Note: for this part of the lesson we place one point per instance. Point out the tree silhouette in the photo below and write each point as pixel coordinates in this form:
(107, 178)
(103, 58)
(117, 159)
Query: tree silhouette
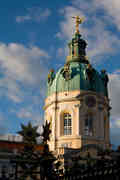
(29, 133)
(29, 162)
(46, 132)
(48, 161)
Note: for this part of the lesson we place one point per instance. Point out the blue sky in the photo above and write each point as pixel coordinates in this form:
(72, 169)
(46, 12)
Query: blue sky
(33, 38)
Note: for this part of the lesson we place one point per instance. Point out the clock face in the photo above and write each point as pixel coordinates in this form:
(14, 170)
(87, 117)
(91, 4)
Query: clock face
(90, 101)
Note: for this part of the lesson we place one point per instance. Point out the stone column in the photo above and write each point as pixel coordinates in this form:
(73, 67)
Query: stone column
(78, 106)
(101, 123)
(107, 128)
(54, 127)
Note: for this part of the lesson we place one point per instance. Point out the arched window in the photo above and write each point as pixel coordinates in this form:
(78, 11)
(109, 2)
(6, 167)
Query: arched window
(67, 124)
(89, 125)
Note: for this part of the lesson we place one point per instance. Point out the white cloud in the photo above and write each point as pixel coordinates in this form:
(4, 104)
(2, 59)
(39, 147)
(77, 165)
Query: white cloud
(113, 9)
(60, 52)
(101, 41)
(10, 89)
(23, 73)
(20, 19)
(114, 94)
(21, 67)
(30, 113)
(23, 113)
(118, 123)
(18, 61)
(45, 14)
(34, 14)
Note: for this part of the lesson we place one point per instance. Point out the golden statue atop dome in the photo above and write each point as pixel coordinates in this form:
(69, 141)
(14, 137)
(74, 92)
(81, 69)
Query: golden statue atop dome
(78, 21)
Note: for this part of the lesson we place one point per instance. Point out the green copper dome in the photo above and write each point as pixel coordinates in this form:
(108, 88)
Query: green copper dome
(77, 79)
(77, 73)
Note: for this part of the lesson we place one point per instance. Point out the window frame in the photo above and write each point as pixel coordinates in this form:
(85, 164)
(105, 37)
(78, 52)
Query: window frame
(88, 125)
(67, 124)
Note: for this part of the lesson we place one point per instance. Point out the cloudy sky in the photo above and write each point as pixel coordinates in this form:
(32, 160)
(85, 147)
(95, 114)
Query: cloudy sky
(33, 38)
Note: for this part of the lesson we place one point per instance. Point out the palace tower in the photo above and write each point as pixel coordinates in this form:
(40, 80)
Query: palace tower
(77, 104)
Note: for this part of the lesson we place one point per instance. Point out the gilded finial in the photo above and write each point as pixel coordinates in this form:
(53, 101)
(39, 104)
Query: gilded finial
(78, 21)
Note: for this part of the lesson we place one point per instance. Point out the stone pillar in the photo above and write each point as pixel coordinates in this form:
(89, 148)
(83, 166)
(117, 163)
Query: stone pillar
(78, 124)
(101, 124)
(107, 124)
(54, 127)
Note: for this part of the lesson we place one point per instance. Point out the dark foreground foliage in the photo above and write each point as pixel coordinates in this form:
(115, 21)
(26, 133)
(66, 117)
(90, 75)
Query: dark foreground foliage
(35, 165)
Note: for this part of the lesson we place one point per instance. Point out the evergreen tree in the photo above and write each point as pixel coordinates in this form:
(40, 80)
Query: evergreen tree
(49, 161)
(28, 159)
(29, 162)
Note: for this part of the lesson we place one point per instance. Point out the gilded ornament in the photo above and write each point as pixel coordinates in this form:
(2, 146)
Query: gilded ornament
(51, 76)
(78, 21)
(66, 72)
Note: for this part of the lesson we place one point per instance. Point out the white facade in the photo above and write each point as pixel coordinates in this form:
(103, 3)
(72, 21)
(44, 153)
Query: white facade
(77, 118)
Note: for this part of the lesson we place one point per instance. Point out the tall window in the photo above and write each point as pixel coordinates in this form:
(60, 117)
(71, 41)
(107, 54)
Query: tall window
(67, 124)
(89, 125)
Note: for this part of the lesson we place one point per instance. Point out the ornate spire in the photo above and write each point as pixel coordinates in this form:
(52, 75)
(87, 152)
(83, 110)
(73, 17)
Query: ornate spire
(77, 47)
(78, 21)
